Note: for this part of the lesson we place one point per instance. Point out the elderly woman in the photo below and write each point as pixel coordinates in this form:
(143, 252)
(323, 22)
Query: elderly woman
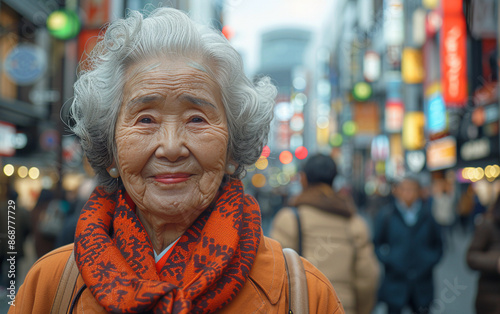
(169, 122)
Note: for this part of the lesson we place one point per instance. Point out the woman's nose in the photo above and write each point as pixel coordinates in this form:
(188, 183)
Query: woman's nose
(171, 143)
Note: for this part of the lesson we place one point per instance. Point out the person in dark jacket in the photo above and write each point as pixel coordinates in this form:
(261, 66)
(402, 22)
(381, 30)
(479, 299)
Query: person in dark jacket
(408, 242)
(484, 255)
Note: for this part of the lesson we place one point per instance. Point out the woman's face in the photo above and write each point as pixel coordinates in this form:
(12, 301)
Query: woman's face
(171, 138)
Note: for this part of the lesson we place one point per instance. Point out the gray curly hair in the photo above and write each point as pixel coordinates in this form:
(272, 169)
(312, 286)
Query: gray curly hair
(163, 33)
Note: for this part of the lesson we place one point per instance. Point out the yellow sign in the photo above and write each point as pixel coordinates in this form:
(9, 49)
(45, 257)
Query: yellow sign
(413, 130)
(412, 66)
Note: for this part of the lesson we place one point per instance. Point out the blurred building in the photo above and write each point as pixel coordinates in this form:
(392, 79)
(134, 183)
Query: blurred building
(414, 90)
(386, 87)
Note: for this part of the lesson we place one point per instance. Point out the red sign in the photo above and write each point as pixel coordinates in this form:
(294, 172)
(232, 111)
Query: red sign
(452, 7)
(95, 13)
(453, 55)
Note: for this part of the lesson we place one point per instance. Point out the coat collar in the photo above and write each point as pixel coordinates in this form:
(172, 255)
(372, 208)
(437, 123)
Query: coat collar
(323, 197)
(268, 270)
(421, 215)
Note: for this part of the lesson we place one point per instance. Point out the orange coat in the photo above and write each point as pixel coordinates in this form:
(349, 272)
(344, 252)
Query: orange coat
(266, 291)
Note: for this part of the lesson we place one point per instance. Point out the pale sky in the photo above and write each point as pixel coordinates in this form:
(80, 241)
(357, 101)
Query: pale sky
(250, 18)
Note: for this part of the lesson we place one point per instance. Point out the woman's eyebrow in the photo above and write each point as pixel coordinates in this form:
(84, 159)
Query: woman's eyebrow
(197, 101)
(143, 100)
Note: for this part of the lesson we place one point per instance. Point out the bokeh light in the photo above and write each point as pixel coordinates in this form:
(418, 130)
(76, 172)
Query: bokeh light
(228, 32)
(289, 169)
(286, 157)
(362, 91)
(266, 151)
(63, 24)
(490, 172)
(322, 122)
(301, 152)
(283, 178)
(22, 172)
(349, 128)
(273, 181)
(258, 180)
(34, 173)
(335, 140)
(8, 170)
(262, 163)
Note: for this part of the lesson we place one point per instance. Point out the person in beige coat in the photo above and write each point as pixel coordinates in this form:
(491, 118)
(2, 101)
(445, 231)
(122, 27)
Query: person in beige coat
(334, 237)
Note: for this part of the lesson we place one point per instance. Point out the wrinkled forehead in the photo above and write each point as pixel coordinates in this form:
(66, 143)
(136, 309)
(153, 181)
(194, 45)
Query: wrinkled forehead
(150, 64)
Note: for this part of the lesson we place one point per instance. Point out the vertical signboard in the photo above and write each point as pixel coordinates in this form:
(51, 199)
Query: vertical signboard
(413, 130)
(393, 22)
(453, 54)
(436, 114)
(394, 112)
(412, 67)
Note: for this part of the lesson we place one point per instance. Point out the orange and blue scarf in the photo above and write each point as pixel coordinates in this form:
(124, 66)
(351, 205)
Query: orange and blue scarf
(205, 271)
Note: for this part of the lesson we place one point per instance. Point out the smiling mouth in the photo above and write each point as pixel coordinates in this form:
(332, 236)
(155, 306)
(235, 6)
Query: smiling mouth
(172, 178)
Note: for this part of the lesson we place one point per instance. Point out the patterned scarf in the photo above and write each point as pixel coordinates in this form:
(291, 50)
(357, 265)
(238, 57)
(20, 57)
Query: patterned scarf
(206, 269)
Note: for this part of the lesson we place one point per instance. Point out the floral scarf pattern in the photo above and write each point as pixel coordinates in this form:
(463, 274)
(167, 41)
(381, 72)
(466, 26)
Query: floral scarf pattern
(206, 269)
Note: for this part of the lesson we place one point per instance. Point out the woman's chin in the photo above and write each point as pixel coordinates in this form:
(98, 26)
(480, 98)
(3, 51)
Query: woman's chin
(178, 206)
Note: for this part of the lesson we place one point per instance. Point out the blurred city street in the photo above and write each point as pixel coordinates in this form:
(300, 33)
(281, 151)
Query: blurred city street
(402, 98)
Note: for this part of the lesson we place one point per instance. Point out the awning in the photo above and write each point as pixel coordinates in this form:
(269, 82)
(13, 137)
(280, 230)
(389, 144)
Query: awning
(21, 113)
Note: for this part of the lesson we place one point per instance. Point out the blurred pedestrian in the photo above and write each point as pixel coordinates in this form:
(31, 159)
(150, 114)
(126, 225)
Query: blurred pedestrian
(408, 243)
(465, 207)
(470, 207)
(484, 255)
(47, 220)
(443, 203)
(332, 235)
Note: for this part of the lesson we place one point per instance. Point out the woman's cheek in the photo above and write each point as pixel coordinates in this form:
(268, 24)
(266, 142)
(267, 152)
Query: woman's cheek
(131, 149)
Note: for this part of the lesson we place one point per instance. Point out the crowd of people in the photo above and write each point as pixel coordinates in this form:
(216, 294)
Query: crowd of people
(409, 236)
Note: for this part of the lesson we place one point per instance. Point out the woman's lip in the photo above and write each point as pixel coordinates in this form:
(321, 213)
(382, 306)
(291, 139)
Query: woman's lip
(172, 178)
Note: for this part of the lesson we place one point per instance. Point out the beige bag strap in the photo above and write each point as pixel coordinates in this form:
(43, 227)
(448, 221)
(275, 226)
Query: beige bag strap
(297, 283)
(66, 286)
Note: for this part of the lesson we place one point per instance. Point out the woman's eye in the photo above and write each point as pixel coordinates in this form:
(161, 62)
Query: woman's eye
(197, 120)
(146, 120)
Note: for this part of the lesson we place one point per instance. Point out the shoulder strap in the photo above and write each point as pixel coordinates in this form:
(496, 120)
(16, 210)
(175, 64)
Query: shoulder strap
(298, 298)
(66, 286)
(299, 228)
